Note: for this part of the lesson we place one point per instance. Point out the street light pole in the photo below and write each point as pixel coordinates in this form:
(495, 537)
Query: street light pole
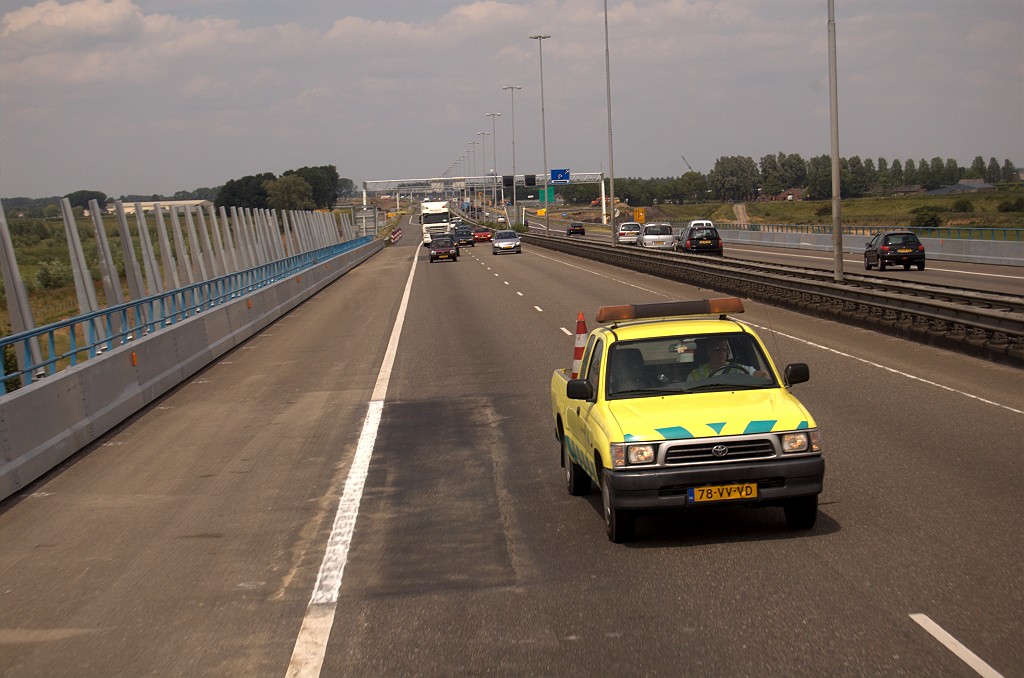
(472, 195)
(483, 159)
(543, 130)
(833, 89)
(611, 156)
(494, 153)
(512, 90)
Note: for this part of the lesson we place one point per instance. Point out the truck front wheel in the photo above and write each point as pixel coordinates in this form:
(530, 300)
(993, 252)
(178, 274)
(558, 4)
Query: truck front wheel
(802, 512)
(576, 479)
(618, 523)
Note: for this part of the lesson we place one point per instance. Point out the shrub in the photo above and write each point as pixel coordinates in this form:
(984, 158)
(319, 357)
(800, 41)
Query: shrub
(929, 209)
(10, 364)
(824, 211)
(1016, 205)
(962, 205)
(926, 219)
(54, 274)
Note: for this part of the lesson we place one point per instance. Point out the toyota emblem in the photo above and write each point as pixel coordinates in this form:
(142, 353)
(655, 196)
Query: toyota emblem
(719, 450)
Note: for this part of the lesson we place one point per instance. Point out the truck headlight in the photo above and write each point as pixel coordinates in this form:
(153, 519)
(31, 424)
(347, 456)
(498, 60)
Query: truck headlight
(793, 443)
(624, 454)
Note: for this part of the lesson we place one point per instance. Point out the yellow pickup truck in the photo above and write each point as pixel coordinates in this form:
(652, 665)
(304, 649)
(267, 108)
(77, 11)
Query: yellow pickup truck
(678, 405)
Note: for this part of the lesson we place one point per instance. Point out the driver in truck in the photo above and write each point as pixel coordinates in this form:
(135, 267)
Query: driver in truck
(717, 352)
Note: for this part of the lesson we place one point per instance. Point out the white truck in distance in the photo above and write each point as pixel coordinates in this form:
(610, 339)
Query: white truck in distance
(435, 217)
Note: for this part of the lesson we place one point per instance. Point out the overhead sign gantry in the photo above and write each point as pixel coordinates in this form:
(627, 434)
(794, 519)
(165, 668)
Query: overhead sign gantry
(458, 186)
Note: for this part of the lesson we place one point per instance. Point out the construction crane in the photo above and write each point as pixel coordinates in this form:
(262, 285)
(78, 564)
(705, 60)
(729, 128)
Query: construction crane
(684, 160)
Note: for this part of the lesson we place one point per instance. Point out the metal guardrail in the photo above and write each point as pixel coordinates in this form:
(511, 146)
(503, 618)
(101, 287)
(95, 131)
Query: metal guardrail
(970, 322)
(92, 334)
(951, 232)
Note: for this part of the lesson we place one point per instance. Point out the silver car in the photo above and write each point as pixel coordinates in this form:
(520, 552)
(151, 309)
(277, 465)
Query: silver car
(657, 236)
(506, 242)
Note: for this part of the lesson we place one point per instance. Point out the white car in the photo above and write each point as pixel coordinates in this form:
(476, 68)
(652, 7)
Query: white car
(628, 232)
(657, 236)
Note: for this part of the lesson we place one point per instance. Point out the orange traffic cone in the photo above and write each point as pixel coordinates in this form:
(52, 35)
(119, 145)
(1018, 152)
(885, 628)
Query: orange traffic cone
(581, 343)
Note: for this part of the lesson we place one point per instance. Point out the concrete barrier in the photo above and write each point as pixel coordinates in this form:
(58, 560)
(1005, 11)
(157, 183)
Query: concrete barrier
(46, 422)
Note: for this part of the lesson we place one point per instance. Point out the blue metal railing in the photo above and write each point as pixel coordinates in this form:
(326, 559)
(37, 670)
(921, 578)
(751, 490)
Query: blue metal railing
(94, 333)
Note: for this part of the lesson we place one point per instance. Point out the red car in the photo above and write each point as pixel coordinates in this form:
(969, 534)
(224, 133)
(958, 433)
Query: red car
(482, 234)
(443, 247)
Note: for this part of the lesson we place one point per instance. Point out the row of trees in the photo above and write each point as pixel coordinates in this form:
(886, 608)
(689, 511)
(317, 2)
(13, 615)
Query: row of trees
(740, 178)
(303, 188)
(300, 189)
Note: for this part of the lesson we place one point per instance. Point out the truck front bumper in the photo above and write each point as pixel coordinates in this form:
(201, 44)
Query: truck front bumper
(662, 487)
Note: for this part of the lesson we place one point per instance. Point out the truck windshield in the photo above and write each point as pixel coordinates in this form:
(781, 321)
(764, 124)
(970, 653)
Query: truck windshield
(668, 365)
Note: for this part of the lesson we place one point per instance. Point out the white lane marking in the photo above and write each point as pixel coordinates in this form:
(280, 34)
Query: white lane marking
(858, 259)
(506, 282)
(539, 309)
(956, 647)
(566, 331)
(898, 373)
(811, 343)
(519, 293)
(311, 644)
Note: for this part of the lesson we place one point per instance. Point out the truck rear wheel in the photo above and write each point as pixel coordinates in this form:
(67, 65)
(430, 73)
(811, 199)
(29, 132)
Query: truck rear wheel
(577, 482)
(619, 524)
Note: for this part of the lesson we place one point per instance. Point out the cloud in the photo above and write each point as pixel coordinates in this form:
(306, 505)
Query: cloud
(401, 90)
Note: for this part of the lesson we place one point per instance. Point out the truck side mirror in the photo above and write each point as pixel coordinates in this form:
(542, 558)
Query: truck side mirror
(796, 373)
(579, 389)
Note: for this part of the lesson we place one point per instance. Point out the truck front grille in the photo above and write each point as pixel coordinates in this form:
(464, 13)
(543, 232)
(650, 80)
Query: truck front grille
(702, 451)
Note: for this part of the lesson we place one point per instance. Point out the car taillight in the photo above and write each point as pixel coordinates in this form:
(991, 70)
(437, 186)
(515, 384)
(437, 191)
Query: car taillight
(688, 244)
(920, 248)
(884, 248)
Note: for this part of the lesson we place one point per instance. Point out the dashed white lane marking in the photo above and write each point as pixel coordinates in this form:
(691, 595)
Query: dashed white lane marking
(539, 309)
(956, 647)
(311, 644)
(566, 331)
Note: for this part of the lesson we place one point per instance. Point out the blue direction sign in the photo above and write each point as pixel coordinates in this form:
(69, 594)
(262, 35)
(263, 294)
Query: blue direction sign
(560, 176)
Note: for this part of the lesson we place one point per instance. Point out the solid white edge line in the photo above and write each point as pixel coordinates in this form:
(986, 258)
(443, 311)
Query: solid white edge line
(955, 646)
(898, 373)
(311, 644)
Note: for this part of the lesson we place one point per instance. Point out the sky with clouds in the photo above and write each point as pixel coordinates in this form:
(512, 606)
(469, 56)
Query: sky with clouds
(156, 96)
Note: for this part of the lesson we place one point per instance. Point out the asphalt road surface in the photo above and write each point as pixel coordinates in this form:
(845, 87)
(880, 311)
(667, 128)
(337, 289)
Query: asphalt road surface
(190, 540)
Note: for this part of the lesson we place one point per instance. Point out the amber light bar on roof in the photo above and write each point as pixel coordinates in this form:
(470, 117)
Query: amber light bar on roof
(670, 308)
